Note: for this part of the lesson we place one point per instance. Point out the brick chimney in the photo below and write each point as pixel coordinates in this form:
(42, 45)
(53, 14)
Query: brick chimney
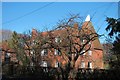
(76, 25)
(34, 32)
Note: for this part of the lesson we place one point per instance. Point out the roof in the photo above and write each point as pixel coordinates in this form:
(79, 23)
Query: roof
(88, 25)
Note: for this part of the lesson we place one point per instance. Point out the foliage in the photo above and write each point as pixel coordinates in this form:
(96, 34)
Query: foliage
(114, 27)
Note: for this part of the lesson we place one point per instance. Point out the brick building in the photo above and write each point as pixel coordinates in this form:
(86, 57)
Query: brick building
(54, 54)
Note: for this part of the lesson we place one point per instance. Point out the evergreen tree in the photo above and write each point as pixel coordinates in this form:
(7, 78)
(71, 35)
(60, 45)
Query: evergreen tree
(114, 28)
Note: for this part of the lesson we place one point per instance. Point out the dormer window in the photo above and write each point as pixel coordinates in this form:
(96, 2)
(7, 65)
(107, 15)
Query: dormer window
(57, 39)
(44, 52)
(82, 41)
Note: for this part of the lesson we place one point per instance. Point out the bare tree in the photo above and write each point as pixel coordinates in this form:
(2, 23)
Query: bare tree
(73, 42)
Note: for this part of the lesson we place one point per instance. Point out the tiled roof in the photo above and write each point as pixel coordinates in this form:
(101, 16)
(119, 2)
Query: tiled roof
(90, 27)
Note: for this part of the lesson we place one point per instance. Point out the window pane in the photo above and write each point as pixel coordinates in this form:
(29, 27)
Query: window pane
(89, 64)
(7, 55)
(89, 43)
(57, 64)
(57, 39)
(82, 64)
(44, 52)
(57, 52)
(31, 64)
(31, 51)
(44, 63)
(82, 41)
(89, 52)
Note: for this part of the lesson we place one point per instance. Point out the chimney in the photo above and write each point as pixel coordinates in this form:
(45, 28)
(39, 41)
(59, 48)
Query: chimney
(34, 32)
(75, 25)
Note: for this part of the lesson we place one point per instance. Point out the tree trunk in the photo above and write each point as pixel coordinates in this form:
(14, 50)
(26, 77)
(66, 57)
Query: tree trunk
(73, 71)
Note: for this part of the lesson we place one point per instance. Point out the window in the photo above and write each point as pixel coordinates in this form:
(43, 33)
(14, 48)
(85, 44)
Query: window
(89, 64)
(33, 42)
(44, 52)
(82, 64)
(44, 64)
(57, 39)
(31, 64)
(31, 52)
(57, 64)
(89, 43)
(89, 52)
(7, 57)
(82, 41)
(57, 52)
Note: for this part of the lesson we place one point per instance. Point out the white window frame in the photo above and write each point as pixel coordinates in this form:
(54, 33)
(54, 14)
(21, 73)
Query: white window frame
(43, 53)
(57, 64)
(90, 52)
(31, 52)
(82, 64)
(89, 64)
(89, 43)
(56, 52)
(82, 41)
(44, 64)
(7, 55)
(33, 42)
(31, 64)
(57, 39)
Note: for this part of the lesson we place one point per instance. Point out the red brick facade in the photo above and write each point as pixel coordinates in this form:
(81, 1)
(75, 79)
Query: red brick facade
(93, 58)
